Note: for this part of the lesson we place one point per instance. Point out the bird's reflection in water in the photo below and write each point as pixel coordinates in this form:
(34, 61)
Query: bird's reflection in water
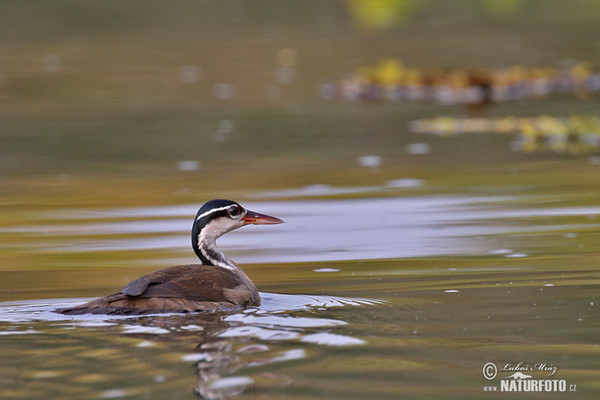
(219, 363)
(230, 352)
(224, 348)
(216, 361)
(230, 345)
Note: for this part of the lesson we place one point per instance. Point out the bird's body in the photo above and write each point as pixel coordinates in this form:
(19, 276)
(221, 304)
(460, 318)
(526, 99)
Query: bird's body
(217, 284)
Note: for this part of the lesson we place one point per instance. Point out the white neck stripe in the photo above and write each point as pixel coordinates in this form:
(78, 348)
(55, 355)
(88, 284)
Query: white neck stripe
(222, 260)
(212, 211)
(217, 263)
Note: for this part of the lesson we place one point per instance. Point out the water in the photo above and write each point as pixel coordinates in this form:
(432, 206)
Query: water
(315, 230)
(410, 298)
(410, 266)
(218, 346)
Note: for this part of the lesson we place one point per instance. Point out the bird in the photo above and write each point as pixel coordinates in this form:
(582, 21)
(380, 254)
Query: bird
(217, 284)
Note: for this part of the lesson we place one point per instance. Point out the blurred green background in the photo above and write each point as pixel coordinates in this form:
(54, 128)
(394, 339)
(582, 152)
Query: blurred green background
(153, 102)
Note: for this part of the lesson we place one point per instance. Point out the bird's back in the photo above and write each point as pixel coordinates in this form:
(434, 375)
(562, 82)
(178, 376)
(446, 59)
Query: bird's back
(181, 288)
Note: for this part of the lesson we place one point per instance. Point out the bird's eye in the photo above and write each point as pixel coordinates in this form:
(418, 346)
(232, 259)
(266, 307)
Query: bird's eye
(235, 211)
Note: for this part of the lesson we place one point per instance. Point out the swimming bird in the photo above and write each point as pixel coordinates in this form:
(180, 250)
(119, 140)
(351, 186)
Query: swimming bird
(217, 284)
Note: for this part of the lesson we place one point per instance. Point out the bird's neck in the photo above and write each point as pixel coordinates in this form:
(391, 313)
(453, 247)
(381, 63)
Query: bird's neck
(205, 247)
(210, 254)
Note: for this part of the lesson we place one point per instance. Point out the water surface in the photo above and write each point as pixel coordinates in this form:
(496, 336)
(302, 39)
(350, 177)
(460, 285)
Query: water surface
(379, 298)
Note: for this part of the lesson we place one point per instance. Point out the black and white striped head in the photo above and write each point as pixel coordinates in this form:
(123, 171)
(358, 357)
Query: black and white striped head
(217, 217)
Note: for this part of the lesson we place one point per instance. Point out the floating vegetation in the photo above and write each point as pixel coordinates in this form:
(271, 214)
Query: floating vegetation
(391, 80)
(569, 135)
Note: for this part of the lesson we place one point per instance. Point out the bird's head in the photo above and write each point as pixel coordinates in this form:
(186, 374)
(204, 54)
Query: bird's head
(217, 217)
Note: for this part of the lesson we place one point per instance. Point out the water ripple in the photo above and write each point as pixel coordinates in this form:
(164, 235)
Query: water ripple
(315, 230)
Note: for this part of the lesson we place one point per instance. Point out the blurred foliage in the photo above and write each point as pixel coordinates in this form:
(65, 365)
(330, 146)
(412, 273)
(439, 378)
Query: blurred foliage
(380, 14)
(572, 135)
(105, 101)
(391, 80)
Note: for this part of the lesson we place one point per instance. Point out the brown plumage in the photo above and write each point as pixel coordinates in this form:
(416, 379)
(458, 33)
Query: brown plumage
(217, 284)
(182, 288)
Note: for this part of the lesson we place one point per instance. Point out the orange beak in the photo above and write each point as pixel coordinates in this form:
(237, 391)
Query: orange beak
(260, 219)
